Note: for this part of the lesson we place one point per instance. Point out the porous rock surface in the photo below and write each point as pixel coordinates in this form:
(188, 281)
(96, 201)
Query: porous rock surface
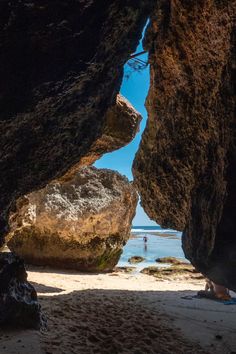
(18, 299)
(185, 168)
(80, 223)
(120, 127)
(181, 271)
(61, 69)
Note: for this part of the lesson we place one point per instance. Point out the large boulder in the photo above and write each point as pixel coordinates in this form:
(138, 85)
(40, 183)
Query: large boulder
(185, 168)
(61, 69)
(81, 223)
(18, 299)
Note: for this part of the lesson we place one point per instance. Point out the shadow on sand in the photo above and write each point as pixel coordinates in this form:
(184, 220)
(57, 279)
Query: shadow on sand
(41, 288)
(110, 322)
(107, 321)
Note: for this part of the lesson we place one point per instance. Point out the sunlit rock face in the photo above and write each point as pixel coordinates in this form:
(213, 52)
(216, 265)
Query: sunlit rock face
(61, 69)
(120, 127)
(185, 167)
(81, 223)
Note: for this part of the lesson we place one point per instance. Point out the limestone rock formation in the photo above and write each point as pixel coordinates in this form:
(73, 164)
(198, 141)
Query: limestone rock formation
(80, 223)
(174, 272)
(120, 127)
(185, 169)
(18, 298)
(171, 260)
(61, 69)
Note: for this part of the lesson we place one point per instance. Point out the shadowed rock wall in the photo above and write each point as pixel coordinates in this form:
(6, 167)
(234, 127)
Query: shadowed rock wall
(185, 167)
(61, 68)
(19, 305)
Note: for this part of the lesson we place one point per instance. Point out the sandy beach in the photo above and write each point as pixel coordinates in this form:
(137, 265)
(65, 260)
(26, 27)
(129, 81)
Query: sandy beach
(122, 313)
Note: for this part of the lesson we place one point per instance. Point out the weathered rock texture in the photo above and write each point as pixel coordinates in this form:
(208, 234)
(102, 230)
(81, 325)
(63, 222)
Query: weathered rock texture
(81, 223)
(120, 127)
(18, 299)
(185, 169)
(182, 271)
(61, 68)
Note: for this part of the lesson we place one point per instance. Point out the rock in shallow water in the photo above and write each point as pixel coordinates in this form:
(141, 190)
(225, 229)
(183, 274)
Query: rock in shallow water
(171, 260)
(18, 298)
(181, 271)
(80, 223)
(136, 259)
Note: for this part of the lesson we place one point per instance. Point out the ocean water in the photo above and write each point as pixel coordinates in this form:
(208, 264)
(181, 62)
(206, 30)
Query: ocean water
(160, 243)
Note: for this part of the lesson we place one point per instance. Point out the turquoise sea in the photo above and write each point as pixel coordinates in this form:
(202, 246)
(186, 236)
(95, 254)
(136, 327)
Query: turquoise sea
(160, 243)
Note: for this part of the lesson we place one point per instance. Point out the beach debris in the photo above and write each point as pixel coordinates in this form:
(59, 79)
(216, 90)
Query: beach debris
(19, 306)
(136, 259)
(81, 223)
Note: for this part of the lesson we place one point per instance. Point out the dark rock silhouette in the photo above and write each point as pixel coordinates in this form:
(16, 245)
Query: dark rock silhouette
(18, 299)
(61, 69)
(185, 169)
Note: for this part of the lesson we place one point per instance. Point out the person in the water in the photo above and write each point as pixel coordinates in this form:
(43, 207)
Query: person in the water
(145, 239)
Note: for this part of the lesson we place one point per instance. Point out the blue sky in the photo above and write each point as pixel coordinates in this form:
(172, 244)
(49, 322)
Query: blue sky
(135, 89)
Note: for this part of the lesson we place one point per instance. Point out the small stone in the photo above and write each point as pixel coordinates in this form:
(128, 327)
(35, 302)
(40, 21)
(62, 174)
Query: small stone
(218, 336)
(136, 259)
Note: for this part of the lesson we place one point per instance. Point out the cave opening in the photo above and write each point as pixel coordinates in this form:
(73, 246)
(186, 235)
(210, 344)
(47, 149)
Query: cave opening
(92, 304)
(162, 242)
